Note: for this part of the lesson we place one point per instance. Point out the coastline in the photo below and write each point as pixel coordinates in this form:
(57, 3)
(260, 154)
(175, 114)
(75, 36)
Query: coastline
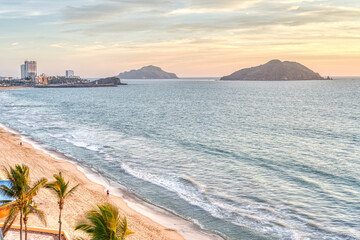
(145, 219)
(12, 87)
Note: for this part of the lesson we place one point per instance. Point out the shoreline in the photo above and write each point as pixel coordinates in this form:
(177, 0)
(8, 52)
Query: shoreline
(13, 87)
(163, 223)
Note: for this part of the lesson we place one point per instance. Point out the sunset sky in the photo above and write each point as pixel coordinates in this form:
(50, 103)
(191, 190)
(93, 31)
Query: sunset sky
(188, 37)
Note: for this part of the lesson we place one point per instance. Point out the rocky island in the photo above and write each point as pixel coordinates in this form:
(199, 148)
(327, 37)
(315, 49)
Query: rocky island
(148, 72)
(109, 81)
(275, 70)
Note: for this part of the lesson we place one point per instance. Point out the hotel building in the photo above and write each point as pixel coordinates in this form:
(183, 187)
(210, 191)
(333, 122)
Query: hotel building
(69, 73)
(29, 70)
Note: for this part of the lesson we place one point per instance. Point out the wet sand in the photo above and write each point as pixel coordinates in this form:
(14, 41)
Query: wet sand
(87, 195)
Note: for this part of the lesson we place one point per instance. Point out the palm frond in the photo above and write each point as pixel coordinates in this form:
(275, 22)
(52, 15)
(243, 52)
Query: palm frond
(9, 205)
(8, 175)
(38, 212)
(60, 187)
(10, 220)
(123, 230)
(71, 191)
(104, 223)
(55, 187)
(34, 190)
(7, 191)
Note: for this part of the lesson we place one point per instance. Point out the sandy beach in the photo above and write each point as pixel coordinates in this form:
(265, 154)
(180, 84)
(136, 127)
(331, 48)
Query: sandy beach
(13, 87)
(87, 196)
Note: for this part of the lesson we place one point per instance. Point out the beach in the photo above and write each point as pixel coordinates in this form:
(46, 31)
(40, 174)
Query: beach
(11, 87)
(86, 196)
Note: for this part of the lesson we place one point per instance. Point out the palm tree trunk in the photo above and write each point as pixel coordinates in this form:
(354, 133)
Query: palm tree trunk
(21, 222)
(60, 225)
(25, 223)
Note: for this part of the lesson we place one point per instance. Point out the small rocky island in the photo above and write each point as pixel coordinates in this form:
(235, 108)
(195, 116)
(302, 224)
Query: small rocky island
(109, 81)
(148, 72)
(275, 70)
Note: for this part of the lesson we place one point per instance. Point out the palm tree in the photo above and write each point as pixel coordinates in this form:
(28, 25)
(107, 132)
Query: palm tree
(61, 188)
(20, 191)
(105, 223)
(29, 209)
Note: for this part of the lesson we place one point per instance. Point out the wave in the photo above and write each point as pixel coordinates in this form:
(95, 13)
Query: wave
(290, 177)
(250, 212)
(157, 214)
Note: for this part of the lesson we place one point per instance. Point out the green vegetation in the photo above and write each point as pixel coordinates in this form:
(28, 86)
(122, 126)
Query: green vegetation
(65, 80)
(21, 191)
(104, 223)
(8, 83)
(62, 190)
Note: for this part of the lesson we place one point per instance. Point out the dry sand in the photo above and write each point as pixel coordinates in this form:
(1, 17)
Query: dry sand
(87, 196)
(12, 87)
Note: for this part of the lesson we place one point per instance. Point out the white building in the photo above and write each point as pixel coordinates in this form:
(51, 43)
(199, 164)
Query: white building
(69, 73)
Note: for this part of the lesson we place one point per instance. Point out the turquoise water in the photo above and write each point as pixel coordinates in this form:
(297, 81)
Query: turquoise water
(248, 160)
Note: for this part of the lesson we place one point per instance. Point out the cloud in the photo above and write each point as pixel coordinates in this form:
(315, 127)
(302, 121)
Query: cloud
(221, 4)
(275, 25)
(90, 14)
(213, 6)
(110, 10)
(57, 45)
(187, 27)
(272, 15)
(237, 4)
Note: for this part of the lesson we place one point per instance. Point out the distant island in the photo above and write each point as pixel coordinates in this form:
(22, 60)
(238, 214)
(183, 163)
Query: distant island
(275, 70)
(109, 80)
(148, 72)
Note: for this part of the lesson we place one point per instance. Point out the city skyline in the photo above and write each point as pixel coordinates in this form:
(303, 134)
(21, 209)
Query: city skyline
(190, 38)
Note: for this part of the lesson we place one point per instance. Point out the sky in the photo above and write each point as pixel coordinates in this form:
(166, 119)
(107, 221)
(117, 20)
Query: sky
(192, 38)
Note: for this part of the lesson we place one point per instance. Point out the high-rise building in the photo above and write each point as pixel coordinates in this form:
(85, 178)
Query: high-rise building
(69, 73)
(29, 70)
(23, 71)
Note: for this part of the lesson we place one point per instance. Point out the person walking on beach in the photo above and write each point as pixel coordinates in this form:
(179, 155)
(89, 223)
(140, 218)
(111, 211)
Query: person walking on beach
(107, 193)
(20, 143)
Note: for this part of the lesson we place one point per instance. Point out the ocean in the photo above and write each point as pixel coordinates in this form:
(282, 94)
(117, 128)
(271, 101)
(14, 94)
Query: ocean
(245, 160)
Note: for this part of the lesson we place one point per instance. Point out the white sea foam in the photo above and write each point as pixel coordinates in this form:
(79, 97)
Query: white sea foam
(271, 221)
(186, 228)
(274, 177)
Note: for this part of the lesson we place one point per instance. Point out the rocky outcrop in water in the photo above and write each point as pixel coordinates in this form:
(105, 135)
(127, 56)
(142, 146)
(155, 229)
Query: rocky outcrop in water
(148, 72)
(275, 70)
(109, 80)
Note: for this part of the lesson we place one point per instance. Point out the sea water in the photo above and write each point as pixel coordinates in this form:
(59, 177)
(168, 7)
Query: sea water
(247, 160)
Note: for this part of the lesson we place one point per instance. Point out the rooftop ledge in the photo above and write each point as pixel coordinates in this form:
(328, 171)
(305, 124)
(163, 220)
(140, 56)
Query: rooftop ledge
(41, 233)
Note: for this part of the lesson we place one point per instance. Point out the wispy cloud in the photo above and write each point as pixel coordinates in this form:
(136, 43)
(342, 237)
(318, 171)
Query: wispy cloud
(101, 11)
(190, 30)
(57, 45)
